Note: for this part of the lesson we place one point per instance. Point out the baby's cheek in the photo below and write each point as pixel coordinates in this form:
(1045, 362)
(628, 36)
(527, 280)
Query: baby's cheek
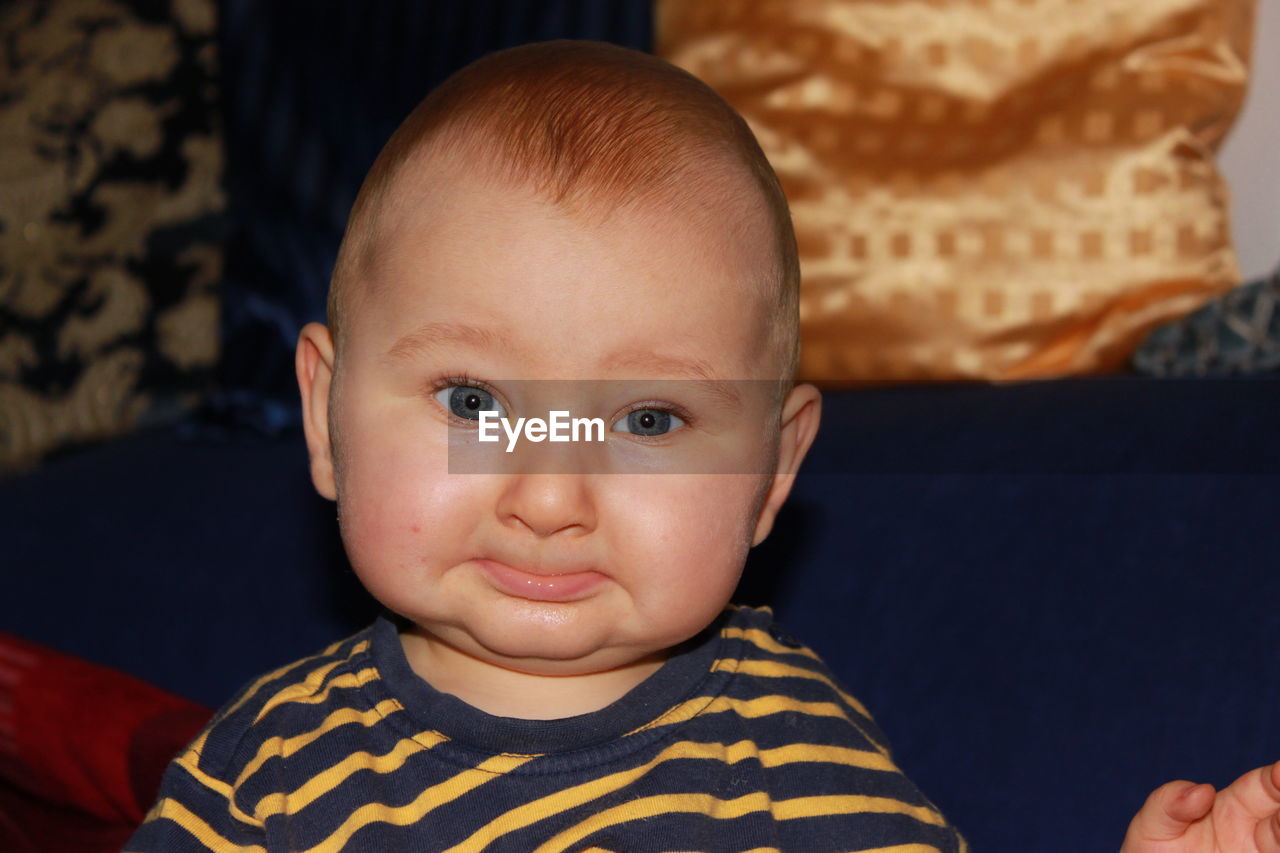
(372, 536)
(694, 533)
(720, 505)
(382, 509)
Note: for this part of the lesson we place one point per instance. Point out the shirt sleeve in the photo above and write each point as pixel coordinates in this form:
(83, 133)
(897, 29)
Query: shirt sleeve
(196, 811)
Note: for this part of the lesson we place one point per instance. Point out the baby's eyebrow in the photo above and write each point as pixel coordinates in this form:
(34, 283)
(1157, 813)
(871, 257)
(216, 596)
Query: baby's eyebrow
(725, 394)
(424, 339)
(695, 371)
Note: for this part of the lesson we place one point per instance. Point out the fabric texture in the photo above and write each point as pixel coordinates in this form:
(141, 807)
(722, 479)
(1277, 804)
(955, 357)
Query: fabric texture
(82, 749)
(985, 191)
(110, 218)
(741, 741)
(1237, 333)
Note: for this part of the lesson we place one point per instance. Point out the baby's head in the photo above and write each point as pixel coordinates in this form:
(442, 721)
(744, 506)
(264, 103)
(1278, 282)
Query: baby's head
(594, 130)
(568, 211)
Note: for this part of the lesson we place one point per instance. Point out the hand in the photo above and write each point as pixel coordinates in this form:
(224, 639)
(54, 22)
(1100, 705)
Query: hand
(1183, 817)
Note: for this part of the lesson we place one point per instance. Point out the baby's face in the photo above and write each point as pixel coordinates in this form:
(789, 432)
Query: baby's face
(545, 571)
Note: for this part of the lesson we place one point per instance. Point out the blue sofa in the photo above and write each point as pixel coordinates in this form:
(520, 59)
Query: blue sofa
(1054, 596)
(1045, 633)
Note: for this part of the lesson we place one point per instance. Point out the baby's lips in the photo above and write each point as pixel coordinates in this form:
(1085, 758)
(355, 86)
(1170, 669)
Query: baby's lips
(539, 585)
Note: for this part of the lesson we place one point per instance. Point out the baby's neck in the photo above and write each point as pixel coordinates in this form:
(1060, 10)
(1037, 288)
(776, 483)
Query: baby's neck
(506, 692)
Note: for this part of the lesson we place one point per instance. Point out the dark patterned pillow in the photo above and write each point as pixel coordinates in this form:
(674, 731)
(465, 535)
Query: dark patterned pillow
(110, 218)
(1237, 333)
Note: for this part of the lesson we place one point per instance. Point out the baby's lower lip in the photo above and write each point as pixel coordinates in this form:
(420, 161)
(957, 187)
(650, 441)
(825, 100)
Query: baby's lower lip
(521, 584)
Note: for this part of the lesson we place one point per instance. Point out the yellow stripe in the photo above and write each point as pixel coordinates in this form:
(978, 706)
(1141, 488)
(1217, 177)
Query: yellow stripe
(729, 809)
(189, 761)
(570, 798)
(762, 640)
(764, 608)
(322, 783)
(304, 694)
(777, 669)
(285, 747)
(169, 809)
(815, 752)
(761, 706)
(802, 807)
(274, 674)
(433, 797)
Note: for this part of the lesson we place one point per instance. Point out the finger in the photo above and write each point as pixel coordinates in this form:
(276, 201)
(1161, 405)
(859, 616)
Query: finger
(1258, 791)
(1170, 809)
(1267, 834)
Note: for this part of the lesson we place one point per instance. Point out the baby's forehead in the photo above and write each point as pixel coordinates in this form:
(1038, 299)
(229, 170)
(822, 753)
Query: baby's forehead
(491, 246)
(695, 178)
(717, 202)
(468, 199)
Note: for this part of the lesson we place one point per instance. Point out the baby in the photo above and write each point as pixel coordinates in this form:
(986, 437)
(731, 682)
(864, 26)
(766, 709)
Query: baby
(563, 670)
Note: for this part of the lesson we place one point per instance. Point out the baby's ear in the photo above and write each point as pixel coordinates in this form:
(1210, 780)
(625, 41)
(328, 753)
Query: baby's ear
(314, 362)
(801, 412)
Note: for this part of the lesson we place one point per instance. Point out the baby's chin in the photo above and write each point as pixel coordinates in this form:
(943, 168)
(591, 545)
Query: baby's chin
(543, 647)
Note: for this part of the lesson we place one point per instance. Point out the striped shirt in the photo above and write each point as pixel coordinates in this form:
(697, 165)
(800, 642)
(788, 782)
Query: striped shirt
(741, 741)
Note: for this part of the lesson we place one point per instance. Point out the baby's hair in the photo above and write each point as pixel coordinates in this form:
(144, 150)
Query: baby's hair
(590, 126)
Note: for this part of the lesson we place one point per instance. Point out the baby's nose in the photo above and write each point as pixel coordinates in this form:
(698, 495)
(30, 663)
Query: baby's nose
(548, 504)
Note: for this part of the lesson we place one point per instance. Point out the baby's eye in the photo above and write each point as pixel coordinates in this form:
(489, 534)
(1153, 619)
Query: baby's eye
(468, 401)
(648, 422)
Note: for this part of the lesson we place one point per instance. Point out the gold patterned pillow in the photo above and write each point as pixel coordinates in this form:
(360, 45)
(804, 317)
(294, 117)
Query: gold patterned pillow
(110, 202)
(995, 189)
